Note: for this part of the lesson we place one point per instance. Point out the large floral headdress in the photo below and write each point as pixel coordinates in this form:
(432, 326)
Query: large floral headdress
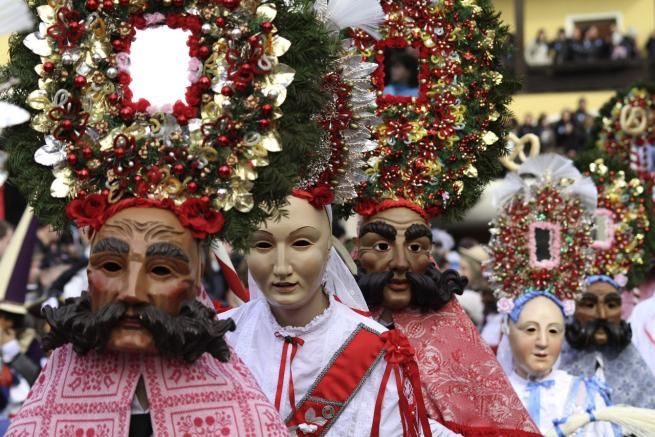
(437, 150)
(218, 158)
(541, 239)
(621, 223)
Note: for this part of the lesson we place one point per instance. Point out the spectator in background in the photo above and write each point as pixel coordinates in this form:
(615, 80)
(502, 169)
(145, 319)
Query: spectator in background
(561, 48)
(536, 53)
(545, 133)
(403, 75)
(528, 126)
(595, 46)
(578, 51)
(565, 132)
(581, 113)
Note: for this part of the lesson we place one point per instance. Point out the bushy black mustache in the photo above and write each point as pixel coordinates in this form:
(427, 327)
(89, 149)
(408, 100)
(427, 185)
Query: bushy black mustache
(430, 290)
(194, 331)
(580, 335)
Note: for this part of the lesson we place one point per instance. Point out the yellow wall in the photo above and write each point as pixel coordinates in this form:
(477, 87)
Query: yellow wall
(4, 49)
(506, 9)
(553, 103)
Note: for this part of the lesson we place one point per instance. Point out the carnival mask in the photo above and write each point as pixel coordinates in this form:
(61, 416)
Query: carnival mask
(536, 337)
(597, 320)
(394, 253)
(287, 258)
(144, 272)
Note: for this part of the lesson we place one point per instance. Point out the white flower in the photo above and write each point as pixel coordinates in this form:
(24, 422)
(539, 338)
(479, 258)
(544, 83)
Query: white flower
(569, 307)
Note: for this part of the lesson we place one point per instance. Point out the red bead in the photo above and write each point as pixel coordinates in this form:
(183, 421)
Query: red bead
(108, 5)
(48, 67)
(192, 187)
(120, 153)
(67, 124)
(205, 82)
(241, 86)
(203, 51)
(231, 4)
(224, 171)
(204, 199)
(178, 3)
(220, 21)
(178, 169)
(74, 25)
(117, 45)
(112, 98)
(79, 81)
(182, 119)
(253, 40)
(87, 152)
(72, 158)
(92, 5)
(127, 113)
(264, 123)
(83, 173)
(267, 108)
(223, 140)
(266, 26)
(226, 91)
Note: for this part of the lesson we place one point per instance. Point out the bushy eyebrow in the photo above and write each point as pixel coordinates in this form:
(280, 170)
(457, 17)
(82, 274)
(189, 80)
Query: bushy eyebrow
(381, 228)
(112, 245)
(168, 250)
(417, 231)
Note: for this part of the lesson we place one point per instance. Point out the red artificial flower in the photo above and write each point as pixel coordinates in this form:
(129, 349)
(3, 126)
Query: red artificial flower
(366, 208)
(88, 211)
(200, 218)
(318, 196)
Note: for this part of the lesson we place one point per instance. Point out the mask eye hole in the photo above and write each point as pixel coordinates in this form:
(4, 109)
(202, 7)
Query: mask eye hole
(160, 271)
(382, 246)
(302, 243)
(111, 266)
(263, 245)
(414, 247)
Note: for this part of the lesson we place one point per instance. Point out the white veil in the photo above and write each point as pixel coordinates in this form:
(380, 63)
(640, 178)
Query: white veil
(338, 279)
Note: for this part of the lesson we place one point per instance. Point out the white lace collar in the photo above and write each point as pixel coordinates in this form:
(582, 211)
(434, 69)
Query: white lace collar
(315, 324)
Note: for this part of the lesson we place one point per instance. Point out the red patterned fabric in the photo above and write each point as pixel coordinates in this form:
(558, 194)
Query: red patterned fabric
(92, 395)
(463, 385)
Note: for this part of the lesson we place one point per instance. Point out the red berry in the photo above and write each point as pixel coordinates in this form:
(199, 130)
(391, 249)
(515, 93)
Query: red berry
(264, 123)
(112, 98)
(204, 51)
(67, 124)
(48, 67)
(178, 169)
(224, 171)
(127, 113)
(87, 152)
(79, 81)
(241, 86)
(117, 44)
(178, 3)
(120, 152)
(231, 4)
(74, 25)
(92, 5)
(223, 140)
(83, 173)
(204, 82)
(220, 21)
(108, 5)
(267, 108)
(226, 91)
(266, 26)
(192, 187)
(72, 158)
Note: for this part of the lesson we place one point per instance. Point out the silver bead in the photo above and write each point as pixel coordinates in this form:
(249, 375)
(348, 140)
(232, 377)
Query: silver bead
(67, 58)
(130, 164)
(235, 33)
(206, 28)
(112, 72)
(96, 58)
(227, 104)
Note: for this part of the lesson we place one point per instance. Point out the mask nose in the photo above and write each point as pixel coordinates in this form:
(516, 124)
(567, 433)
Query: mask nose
(135, 290)
(281, 268)
(399, 262)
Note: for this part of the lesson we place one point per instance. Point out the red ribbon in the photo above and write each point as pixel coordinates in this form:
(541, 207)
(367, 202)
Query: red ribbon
(294, 342)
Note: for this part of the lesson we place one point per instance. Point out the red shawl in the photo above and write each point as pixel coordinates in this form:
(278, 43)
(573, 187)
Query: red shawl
(464, 386)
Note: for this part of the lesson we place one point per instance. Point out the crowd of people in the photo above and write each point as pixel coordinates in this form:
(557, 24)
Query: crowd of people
(582, 45)
(567, 134)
